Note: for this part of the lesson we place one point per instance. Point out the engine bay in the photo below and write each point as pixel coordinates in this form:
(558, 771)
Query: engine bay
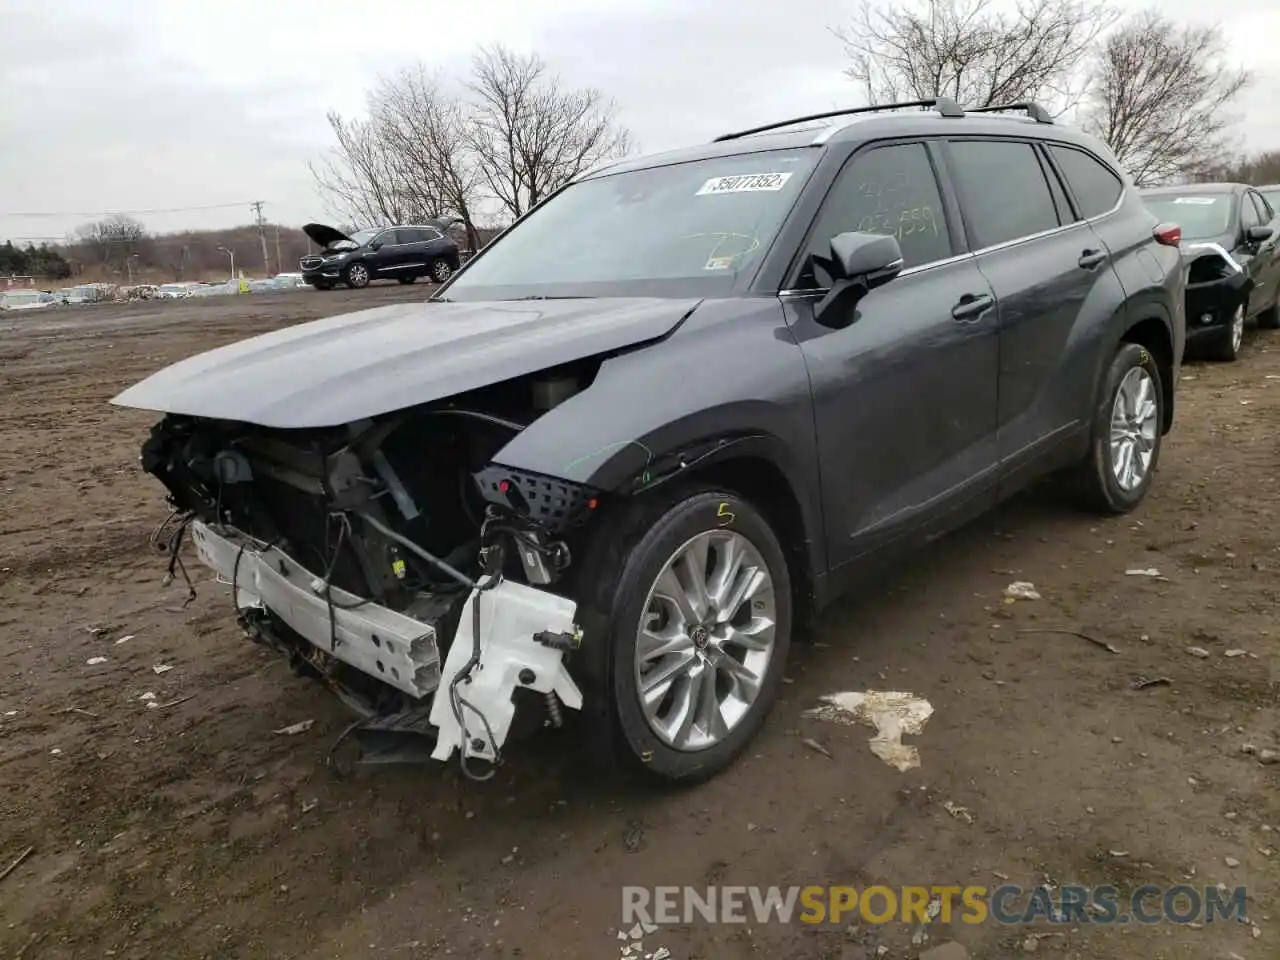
(406, 514)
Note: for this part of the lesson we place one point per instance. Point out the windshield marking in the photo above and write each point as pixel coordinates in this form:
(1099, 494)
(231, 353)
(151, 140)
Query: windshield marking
(744, 183)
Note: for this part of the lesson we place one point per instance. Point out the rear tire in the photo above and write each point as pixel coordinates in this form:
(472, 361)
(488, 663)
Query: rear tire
(1128, 424)
(441, 270)
(713, 687)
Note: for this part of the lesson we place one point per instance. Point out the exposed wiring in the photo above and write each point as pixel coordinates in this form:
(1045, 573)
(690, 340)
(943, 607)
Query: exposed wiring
(478, 415)
(173, 546)
(408, 544)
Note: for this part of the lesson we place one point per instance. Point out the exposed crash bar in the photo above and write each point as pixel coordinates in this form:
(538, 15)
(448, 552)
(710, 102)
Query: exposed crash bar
(382, 643)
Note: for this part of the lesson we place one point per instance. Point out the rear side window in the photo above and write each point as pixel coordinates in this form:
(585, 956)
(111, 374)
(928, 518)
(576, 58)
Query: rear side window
(887, 190)
(1095, 185)
(1002, 189)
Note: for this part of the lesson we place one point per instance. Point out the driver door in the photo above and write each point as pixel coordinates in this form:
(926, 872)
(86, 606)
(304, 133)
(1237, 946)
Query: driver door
(905, 401)
(1264, 256)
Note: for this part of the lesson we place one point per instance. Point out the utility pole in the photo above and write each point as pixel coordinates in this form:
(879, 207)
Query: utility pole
(262, 235)
(279, 262)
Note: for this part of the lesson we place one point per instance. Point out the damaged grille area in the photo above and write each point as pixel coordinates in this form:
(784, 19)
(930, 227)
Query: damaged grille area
(399, 515)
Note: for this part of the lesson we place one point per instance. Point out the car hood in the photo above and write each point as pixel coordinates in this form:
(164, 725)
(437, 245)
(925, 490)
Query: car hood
(346, 368)
(324, 235)
(1192, 248)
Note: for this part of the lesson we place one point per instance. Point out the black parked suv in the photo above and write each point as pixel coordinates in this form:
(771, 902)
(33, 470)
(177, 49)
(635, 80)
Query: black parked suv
(402, 253)
(1232, 253)
(672, 412)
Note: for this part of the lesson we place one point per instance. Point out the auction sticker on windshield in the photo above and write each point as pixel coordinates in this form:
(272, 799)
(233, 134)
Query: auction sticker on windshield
(1198, 201)
(745, 183)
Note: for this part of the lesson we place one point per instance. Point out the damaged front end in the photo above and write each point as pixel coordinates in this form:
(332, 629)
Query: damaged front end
(1216, 286)
(393, 560)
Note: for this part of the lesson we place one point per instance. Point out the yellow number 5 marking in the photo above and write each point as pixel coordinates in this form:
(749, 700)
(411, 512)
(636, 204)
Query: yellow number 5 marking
(727, 515)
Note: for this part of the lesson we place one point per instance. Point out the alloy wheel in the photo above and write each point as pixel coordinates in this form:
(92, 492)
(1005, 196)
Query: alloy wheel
(706, 640)
(1134, 430)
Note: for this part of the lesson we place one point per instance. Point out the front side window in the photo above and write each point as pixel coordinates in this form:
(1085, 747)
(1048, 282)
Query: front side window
(1265, 213)
(890, 190)
(697, 228)
(1096, 187)
(1202, 216)
(1249, 216)
(1003, 191)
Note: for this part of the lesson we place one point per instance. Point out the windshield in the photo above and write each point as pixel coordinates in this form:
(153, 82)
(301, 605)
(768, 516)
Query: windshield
(358, 239)
(686, 229)
(1200, 216)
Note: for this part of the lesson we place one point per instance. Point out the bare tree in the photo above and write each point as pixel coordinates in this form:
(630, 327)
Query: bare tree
(112, 240)
(1260, 169)
(426, 132)
(530, 135)
(361, 178)
(976, 55)
(1161, 98)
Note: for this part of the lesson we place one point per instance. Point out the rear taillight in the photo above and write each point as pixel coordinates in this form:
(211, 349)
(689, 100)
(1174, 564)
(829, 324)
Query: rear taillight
(1167, 234)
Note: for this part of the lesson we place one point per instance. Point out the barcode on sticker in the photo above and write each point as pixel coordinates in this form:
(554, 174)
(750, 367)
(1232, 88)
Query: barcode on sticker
(745, 183)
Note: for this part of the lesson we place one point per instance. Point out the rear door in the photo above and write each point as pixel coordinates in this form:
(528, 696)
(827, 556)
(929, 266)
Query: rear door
(905, 395)
(1052, 277)
(417, 241)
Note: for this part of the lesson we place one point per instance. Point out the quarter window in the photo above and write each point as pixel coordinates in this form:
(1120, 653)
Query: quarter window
(1002, 189)
(889, 190)
(1095, 185)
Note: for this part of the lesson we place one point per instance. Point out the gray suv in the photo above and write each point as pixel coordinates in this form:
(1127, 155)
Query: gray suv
(646, 434)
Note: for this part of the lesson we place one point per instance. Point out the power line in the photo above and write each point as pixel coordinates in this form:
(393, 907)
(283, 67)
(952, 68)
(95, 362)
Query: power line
(112, 213)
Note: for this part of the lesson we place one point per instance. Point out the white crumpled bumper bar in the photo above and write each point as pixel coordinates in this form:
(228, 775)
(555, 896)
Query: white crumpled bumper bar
(402, 651)
(396, 649)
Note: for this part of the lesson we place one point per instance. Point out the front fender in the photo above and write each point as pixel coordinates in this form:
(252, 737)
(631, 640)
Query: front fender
(730, 383)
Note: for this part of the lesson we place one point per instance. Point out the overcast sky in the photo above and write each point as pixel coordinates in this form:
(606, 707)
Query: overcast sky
(144, 105)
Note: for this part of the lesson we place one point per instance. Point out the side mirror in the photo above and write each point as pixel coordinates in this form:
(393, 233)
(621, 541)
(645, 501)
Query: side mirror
(1258, 234)
(859, 263)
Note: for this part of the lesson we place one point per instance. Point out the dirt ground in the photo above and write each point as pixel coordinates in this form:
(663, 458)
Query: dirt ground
(168, 820)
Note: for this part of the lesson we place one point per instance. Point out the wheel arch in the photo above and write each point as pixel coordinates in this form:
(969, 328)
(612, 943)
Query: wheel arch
(748, 467)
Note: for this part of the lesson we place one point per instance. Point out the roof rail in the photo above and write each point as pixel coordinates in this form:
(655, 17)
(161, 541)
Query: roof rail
(1036, 112)
(944, 105)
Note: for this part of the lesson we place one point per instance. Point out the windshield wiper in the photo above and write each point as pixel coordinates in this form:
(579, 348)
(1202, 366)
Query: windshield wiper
(541, 296)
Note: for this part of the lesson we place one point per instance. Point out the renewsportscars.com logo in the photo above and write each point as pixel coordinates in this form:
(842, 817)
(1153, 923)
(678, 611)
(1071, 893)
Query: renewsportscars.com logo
(1010, 904)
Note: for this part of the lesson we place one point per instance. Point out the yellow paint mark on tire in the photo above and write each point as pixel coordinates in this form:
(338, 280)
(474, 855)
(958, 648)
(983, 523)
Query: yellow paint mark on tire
(726, 515)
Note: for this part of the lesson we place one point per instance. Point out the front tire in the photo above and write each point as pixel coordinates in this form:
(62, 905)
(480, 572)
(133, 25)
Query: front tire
(1128, 427)
(1269, 319)
(1227, 348)
(692, 628)
(356, 276)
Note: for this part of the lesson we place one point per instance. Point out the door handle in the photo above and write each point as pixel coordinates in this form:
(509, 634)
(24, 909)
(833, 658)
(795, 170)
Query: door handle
(972, 306)
(1092, 258)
